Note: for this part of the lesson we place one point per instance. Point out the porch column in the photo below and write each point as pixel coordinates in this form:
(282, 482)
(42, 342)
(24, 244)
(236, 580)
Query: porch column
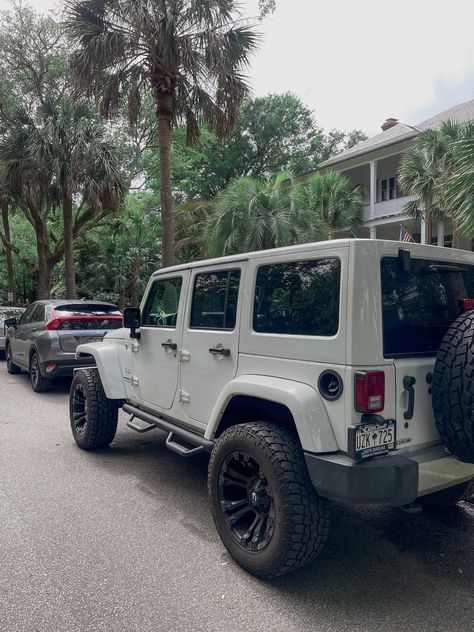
(373, 188)
(423, 232)
(440, 233)
(373, 232)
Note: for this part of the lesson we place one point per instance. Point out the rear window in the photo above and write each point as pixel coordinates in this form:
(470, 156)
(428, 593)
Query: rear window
(10, 313)
(87, 310)
(418, 306)
(86, 317)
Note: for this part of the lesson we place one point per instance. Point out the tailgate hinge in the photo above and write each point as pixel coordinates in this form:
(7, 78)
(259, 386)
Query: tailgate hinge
(184, 396)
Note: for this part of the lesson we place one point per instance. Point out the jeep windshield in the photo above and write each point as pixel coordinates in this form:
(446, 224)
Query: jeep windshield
(418, 305)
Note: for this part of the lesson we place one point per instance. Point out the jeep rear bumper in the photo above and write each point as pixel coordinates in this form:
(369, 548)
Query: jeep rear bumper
(387, 480)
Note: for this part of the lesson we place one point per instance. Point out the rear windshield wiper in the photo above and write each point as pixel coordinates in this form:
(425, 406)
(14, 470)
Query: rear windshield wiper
(441, 269)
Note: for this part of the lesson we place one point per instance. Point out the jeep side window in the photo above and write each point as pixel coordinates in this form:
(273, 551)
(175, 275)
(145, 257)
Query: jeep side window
(215, 300)
(161, 307)
(298, 298)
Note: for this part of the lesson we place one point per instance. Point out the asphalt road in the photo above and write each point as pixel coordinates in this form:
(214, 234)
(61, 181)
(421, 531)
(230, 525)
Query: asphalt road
(123, 540)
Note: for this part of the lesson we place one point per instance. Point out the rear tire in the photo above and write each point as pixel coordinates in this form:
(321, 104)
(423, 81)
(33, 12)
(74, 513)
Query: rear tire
(444, 499)
(92, 415)
(38, 383)
(266, 510)
(12, 368)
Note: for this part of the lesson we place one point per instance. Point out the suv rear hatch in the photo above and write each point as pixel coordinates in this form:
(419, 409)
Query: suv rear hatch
(79, 323)
(420, 300)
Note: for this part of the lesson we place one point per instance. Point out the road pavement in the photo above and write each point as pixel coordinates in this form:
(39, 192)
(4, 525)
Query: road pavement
(122, 540)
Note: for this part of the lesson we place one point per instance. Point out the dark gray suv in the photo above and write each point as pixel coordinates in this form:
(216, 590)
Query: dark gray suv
(44, 340)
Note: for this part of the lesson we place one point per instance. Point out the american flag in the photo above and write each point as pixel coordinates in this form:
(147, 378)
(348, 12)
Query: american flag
(405, 235)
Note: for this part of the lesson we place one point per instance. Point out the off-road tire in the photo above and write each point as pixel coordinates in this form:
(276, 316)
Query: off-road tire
(38, 383)
(301, 518)
(444, 499)
(12, 368)
(92, 415)
(453, 388)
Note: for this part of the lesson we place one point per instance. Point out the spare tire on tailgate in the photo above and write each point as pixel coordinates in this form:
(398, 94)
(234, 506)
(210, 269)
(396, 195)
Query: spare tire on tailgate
(453, 388)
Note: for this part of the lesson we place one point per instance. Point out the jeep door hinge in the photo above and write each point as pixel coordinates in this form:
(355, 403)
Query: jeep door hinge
(134, 381)
(184, 396)
(135, 347)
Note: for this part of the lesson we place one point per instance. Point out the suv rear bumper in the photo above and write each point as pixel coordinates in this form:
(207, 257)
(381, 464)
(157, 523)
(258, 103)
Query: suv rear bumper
(64, 367)
(388, 480)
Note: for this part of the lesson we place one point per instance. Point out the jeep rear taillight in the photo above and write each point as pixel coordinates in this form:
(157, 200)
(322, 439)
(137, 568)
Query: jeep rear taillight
(369, 391)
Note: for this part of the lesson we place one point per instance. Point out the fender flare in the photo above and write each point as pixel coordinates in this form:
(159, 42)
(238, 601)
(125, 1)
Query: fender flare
(304, 402)
(106, 356)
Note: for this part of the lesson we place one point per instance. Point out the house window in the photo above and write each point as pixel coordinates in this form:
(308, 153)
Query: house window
(388, 189)
(391, 189)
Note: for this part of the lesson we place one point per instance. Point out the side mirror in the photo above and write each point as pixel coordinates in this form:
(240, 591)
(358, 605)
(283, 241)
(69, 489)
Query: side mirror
(10, 322)
(132, 321)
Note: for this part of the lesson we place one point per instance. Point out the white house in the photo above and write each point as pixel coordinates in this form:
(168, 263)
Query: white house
(373, 164)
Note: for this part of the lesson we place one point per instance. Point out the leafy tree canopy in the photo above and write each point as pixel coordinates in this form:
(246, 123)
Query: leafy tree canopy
(272, 134)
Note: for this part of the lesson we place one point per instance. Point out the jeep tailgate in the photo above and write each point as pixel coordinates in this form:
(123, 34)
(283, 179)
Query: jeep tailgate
(413, 407)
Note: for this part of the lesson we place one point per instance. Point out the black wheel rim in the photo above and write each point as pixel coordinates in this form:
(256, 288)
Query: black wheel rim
(34, 370)
(246, 500)
(9, 357)
(79, 409)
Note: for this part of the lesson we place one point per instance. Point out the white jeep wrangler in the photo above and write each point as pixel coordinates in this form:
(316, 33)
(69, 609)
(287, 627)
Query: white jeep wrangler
(336, 370)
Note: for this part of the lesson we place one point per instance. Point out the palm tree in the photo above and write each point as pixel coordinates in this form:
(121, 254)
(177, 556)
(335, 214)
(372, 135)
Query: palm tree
(330, 203)
(459, 187)
(424, 171)
(48, 161)
(189, 53)
(83, 163)
(254, 214)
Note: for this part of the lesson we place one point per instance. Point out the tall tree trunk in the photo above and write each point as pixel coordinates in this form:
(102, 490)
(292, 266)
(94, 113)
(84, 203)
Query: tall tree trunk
(43, 271)
(8, 252)
(134, 273)
(70, 275)
(121, 295)
(164, 109)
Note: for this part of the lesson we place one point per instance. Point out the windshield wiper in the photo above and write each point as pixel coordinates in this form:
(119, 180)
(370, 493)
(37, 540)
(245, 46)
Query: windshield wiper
(440, 269)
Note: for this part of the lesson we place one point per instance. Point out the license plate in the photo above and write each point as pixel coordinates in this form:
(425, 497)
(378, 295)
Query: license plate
(371, 439)
(94, 339)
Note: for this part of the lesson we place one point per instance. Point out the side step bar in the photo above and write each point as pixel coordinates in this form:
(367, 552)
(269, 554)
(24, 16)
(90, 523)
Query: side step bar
(175, 432)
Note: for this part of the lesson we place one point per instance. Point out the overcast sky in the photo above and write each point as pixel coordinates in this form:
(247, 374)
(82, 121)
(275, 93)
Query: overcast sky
(357, 62)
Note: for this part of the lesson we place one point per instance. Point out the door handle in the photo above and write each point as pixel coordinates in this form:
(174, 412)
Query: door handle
(220, 351)
(408, 382)
(169, 345)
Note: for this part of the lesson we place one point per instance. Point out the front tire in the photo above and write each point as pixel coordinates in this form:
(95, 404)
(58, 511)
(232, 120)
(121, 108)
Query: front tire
(38, 383)
(92, 415)
(266, 510)
(12, 368)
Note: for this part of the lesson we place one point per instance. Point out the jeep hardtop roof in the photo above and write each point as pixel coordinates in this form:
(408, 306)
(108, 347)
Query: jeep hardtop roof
(370, 246)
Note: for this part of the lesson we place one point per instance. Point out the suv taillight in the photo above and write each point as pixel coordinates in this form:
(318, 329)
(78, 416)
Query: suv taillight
(369, 391)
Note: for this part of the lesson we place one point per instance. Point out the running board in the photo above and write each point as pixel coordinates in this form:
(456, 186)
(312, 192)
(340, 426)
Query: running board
(175, 433)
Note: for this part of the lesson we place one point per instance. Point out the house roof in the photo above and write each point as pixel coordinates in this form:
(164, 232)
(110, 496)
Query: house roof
(401, 131)
(461, 113)
(395, 134)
